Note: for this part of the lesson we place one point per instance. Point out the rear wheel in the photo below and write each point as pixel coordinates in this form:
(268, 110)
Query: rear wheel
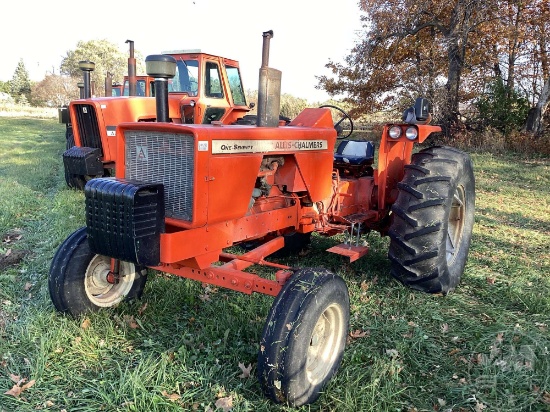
(304, 337)
(432, 220)
(78, 278)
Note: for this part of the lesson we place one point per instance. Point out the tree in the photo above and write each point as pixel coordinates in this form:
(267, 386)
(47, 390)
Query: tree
(55, 91)
(539, 26)
(107, 58)
(448, 51)
(502, 108)
(412, 47)
(5, 87)
(292, 106)
(20, 83)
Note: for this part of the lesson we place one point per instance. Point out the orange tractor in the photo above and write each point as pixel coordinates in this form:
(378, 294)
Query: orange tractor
(184, 193)
(204, 89)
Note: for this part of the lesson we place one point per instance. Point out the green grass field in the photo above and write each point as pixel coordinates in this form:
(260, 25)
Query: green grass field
(485, 347)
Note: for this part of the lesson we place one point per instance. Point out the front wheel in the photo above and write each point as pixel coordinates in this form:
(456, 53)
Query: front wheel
(432, 220)
(78, 280)
(304, 337)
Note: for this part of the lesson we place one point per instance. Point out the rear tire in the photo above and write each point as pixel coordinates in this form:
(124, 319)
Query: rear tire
(432, 220)
(77, 279)
(304, 337)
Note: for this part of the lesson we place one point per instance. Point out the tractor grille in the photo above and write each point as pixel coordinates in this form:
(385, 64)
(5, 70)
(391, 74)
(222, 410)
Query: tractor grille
(166, 158)
(88, 127)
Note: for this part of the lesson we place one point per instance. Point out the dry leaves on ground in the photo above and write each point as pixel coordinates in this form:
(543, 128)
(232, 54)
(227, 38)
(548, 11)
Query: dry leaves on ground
(225, 403)
(19, 386)
(245, 369)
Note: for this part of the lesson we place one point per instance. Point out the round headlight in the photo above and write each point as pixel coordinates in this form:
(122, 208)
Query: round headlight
(395, 132)
(411, 133)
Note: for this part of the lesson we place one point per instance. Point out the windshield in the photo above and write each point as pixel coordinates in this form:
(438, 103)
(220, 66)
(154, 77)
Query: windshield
(140, 88)
(186, 78)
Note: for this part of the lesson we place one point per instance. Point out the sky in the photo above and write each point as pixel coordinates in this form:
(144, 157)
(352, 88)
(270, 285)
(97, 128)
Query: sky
(306, 34)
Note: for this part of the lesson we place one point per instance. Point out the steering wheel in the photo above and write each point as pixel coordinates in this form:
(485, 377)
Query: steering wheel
(338, 125)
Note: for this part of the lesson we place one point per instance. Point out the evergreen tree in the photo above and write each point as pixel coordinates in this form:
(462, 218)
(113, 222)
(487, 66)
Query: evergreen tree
(21, 83)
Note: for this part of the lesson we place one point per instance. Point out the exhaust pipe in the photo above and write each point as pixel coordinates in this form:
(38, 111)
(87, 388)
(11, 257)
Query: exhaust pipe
(87, 67)
(269, 88)
(81, 89)
(162, 67)
(132, 90)
(108, 85)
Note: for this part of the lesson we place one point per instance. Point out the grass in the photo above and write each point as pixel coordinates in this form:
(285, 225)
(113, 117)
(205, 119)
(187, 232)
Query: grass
(484, 347)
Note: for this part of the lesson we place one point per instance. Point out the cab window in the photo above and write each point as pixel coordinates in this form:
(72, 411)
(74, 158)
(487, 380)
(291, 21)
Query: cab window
(213, 83)
(186, 78)
(236, 86)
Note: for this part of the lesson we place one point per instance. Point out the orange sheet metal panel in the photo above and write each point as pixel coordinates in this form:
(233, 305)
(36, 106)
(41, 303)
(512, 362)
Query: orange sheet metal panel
(231, 182)
(185, 244)
(394, 154)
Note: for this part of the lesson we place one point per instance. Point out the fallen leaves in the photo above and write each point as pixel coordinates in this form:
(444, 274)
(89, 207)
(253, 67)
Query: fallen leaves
(208, 291)
(245, 369)
(86, 323)
(130, 321)
(358, 333)
(171, 396)
(225, 403)
(19, 386)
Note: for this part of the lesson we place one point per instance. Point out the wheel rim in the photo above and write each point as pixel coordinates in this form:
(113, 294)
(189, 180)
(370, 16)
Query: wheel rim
(455, 227)
(325, 343)
(99, 290)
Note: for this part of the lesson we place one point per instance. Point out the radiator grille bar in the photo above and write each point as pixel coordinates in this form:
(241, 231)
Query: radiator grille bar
(88, 126)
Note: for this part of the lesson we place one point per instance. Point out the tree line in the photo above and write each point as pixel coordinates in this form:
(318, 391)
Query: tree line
(481, 62)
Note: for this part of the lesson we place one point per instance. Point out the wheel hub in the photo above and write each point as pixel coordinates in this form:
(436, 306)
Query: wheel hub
(324, 343)
(456, 224)
(101, 285)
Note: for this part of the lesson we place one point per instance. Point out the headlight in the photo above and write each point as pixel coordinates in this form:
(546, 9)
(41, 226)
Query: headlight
(411, 133)
(395, 132)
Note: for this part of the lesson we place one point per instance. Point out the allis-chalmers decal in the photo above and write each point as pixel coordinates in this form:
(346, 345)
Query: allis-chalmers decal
(262, 146)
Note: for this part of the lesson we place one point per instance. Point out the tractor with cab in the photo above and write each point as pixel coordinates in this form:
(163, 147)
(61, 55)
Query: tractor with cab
(205, 88)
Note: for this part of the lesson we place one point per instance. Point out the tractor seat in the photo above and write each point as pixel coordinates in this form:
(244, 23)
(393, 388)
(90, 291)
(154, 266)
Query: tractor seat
(355, 152)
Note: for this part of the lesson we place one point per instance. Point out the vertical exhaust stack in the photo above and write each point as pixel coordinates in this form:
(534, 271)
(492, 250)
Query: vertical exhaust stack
(81, 89)
(162, 67)
(87, 67)
(108, 85)
(132, 90)
(269, 89)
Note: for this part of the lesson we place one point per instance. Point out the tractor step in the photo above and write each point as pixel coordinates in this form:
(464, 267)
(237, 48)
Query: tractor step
(353, 252)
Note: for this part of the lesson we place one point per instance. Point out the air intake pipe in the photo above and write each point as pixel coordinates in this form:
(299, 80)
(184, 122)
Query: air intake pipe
(87, 67)
(108, 85)
(269, 88)
(162, 67)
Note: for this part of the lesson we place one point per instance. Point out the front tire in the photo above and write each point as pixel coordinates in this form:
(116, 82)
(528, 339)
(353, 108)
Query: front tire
(78, 278)
(304, 337)
(432, 220)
